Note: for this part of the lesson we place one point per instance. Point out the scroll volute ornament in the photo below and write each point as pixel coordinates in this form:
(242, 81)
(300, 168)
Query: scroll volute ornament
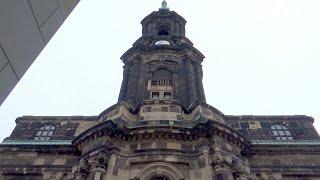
(97, 162)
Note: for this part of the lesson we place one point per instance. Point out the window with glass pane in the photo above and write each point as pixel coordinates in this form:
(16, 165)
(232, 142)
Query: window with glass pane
(281, 132)
(167, 95)
(45, 132)
(155, 95)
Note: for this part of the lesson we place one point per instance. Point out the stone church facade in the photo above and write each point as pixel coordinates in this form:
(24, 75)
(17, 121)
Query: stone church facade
(161, 128)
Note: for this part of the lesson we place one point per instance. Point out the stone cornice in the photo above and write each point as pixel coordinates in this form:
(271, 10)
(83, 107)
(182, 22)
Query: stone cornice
(204, 129)
(33, 169)
(287, 142)
(288, 170)
(36, 142)
(182, 49)
(61, 149)
(56, 118)
(268, 117)
(284, 147)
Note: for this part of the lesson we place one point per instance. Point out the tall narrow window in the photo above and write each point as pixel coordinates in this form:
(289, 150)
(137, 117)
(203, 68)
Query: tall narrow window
(167, 95)
(45, 132)
(281, 132)
(155, 95)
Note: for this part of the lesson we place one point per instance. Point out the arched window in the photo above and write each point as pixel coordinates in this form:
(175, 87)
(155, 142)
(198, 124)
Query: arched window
(159, 171)
(281, 132)
(45, 132)
(163, 30)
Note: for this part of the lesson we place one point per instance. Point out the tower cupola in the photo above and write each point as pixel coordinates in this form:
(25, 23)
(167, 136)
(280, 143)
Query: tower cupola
(163, 23)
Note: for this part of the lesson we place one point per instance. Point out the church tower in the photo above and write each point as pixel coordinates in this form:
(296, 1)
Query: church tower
(161, 127)
(162, 64)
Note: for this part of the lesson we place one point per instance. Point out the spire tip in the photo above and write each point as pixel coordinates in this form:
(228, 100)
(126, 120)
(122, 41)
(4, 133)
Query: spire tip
(164, 5)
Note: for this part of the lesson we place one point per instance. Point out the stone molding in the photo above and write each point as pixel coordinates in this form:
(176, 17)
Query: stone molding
(206, 129)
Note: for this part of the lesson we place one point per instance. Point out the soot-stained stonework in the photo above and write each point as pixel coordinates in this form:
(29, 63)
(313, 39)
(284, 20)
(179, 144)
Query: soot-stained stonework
(161, 127)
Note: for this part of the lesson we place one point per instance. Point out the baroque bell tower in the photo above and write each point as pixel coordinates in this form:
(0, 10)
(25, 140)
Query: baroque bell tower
(162, 64)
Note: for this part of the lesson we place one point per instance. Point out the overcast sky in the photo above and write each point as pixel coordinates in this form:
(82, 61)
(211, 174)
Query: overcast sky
(262, 58)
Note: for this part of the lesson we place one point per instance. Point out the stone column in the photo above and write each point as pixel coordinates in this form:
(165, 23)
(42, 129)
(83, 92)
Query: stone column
(141, 83)
(200, 89)
(98, 172)
(192, 89)
(98, 164)
(176, 86)
(209, 170)
(221, 164)
(189, 83)
(124, 84)
(111, 164)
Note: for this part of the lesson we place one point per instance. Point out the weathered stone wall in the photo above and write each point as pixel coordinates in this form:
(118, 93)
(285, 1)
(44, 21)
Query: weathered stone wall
(34, 164)
(285, 166)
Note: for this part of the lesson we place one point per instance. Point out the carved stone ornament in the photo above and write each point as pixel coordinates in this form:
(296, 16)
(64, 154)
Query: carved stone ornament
(95, 162)
(241, 170)
(82, 170)
(221, 162)
(98, 162)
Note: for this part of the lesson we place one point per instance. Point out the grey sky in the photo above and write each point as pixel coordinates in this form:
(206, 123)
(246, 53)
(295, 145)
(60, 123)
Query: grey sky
(262, 58)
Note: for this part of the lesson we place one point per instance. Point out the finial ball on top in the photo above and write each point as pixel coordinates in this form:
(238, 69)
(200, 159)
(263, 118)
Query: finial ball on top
(164, 5)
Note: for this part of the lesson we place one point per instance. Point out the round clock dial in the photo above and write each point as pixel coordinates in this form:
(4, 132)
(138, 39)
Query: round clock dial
(162, 42)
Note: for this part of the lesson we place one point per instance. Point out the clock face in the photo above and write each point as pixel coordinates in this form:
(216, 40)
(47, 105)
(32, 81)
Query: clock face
(162, 42)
